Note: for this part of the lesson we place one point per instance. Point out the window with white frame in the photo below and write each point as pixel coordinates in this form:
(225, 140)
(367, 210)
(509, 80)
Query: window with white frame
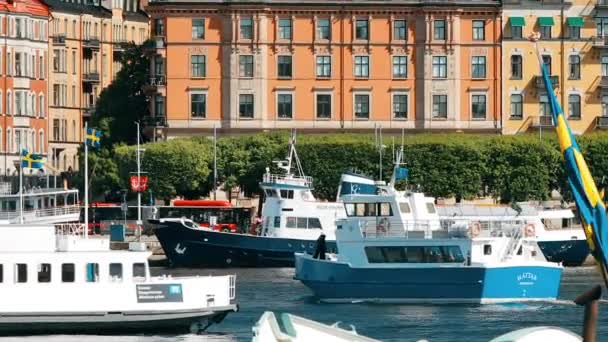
(198, 28)
(246, 28)
(604, 65)
(362, 106)
(198, 66)
(400, 29)
(440, 66)
(246, 66)
(575, 67)
(517, 106)
(246, 106)
(516, 66)
(323, 105)
(439, 29)
(285, 29)
(400, 105)
(284, 68)
(198, 105)
(574, 106)
(440, 106)
(362, 29)
(544, 105)
(478, 67)
(323, 66)
(285, 105)
(478, 106)
(361, 66)
(323, 29)
(479, 30)
(605, 105)
(399, 67)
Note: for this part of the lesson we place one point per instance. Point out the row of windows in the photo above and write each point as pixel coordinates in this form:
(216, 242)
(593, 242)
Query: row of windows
(22, 64)
(414, 254)
(574, 66)
(545, 29)
(300, 222)
(22, 102)
(323, 29)
(23, 137)
(324, 108)
(574, 106)
(69, 273)
(28, 28)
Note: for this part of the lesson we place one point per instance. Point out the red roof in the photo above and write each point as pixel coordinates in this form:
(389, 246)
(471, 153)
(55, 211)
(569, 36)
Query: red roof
(33, 7)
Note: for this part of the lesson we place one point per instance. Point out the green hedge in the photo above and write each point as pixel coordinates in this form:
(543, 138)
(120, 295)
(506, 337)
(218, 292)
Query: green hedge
(509, 168)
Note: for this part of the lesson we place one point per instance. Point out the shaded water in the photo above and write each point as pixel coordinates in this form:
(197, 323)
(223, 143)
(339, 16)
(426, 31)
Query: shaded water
(259, 290)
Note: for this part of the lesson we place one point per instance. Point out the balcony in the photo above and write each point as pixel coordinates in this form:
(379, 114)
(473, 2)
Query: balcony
(89, 111)
(603, 82)
(601, 4)
(153, 85)
(59, 39)
(601, 121)
(542, 121)
(600, 42)
(91, 43)
(540, 84)
(90, 77)
(155, 121)
(120, 45)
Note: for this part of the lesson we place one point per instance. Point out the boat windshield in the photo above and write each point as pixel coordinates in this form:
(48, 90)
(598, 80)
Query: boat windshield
(191, 224)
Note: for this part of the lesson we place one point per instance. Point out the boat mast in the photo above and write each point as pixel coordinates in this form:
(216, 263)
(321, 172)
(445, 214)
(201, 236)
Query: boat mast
(86, 183)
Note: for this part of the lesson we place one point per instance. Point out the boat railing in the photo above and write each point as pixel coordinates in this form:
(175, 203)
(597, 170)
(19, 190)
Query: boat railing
(47, 212)
(70, 229)
(514, 244)
(232, 286)
(287, 179)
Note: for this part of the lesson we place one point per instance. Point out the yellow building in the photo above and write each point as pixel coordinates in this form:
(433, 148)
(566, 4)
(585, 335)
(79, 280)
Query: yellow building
(85, 46)
(569, 48)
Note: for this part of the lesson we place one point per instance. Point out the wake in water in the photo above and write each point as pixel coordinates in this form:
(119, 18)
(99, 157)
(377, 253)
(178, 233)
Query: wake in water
(137, 338)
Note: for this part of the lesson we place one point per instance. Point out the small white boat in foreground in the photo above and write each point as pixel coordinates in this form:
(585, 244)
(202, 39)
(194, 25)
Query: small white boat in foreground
(56, 280)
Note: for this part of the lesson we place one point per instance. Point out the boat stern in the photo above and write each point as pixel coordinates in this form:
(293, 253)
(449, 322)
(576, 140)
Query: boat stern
(521, 283)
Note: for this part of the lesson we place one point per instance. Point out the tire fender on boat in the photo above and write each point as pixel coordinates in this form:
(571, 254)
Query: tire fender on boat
(529, 230)
(475, 229)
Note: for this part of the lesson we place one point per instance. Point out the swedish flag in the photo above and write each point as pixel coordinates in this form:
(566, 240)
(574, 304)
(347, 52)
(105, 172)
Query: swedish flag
(589, 201)
(33, 161)
(93, 137)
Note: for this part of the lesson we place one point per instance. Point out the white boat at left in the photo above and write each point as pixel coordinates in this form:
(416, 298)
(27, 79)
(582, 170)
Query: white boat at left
(57, 280)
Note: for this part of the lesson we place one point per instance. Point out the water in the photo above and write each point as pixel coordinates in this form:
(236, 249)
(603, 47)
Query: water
(259, 290)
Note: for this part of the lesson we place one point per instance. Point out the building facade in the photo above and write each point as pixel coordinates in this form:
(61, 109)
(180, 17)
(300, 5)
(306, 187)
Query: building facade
(573, 47)
(86, 44)
(324, 66)
(23, 87)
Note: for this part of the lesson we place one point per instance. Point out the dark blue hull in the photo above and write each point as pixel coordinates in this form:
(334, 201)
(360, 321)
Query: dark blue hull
(568, 252)
(185, 247)
(338, 282)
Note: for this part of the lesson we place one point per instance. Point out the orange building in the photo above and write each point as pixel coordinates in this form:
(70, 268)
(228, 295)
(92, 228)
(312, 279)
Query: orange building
(324, 66)
(23, 80)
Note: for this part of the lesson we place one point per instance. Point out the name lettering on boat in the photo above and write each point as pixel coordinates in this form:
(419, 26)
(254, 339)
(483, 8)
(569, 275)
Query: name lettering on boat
(159, 293)
(179, 250)
(326, 206)
(526, 278)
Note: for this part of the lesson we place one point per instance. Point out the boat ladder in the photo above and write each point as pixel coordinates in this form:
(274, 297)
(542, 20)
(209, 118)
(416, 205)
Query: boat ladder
(514, 244)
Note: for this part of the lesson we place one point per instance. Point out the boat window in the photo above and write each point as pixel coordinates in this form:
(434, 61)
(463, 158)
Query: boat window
(270, 193)
(68, 273)
(291, 222)
(487, 249)
(405, 208)
(359, 209)
(385, 209)
(92, 272)
(287, 194)
(115, 272)
(452, 254)
(277, 221)
(350, 209)
(370, 209)
(139, 271)
(314, 223)
(430, 207)
(414, 254)
(302, 222)
(44, 273)
(21, 273)
(1, 273)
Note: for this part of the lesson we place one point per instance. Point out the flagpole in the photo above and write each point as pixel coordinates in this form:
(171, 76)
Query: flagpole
(20, 189)
(86, 182)
(139, 223)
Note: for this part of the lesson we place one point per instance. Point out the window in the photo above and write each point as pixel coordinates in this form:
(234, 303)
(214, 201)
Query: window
(362, 29)
(602, 26)
(1, 273)
(41, 67)
(478, 67)
(547, 63)
(575, 67)
(400, 30)
(284, 67)
(323, 29)
(246, 106)
(323, 106)
(285, 106)
(116, 272)
(159, 27)
(605, 105)
(574, 106)
(487, 249)
(198, 28)
(544, 106)
(92, 272)
(440, 106)
(288, 194)
(197, 65)
(246, 28)
(139, 270)
(440, 66)
(246, 66)
(478, 106)
(159, 105)
(198, 104)
(604, 65)
(430, 208)
(159, 65)
(516, 106)
(285, 29)
(44, 273)
(516, 67)
(404, 208)
(361, 66)
(400, 106)
(323, 66)
(399, 66)
(516, 32)
(439, 29)
(574, 32)
(479, 30)
(361, 106)
(277, 221)
(21, 273)
(545, 32)
(414, 254)
(314, 223)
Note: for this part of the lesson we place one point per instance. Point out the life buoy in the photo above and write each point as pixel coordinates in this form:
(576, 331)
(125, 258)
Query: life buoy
(475, 229)
(529, 230)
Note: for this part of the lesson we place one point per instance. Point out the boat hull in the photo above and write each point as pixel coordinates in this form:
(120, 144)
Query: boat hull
(567, 252)
(332, 281)
(185, 247)
(110, 323)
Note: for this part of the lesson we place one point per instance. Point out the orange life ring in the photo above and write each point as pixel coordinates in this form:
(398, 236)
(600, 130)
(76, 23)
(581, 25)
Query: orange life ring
(475, 229)
(530, 231)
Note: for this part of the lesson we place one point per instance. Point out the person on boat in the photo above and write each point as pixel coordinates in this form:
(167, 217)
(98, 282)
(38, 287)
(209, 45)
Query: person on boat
(321, 248)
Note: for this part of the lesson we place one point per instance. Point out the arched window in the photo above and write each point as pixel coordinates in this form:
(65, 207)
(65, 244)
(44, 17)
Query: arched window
(1, 143)
(33, 104)
(9, 140)
(9, 103)
(41, 143)
(41, 105)
(33, 140)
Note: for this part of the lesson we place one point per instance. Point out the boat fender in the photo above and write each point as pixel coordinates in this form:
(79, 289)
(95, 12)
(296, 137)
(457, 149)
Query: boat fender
(530, 230)
(475, 229)
(382, 226)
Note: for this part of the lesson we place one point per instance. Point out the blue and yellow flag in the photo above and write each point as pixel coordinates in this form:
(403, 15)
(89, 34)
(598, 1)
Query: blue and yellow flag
(93, 137)
(33, 161)
(588, 199)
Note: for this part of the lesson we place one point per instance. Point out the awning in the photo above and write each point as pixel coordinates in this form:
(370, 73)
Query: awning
(517, 21)
(574, 21)
(546, 21)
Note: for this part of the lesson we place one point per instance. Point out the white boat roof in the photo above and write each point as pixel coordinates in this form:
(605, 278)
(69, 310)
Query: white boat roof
(527, 210)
